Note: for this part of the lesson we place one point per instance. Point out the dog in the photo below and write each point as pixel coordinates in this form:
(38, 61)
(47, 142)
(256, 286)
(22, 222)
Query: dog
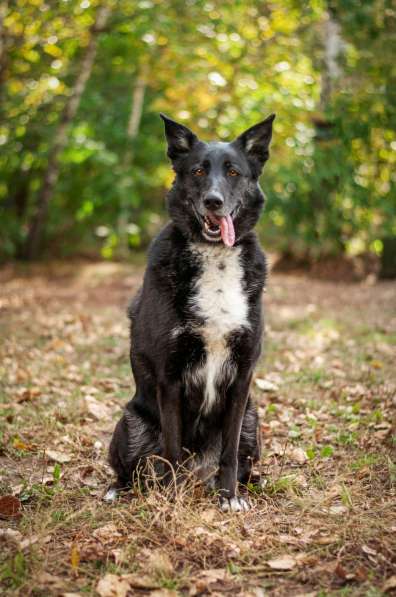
(196, 322)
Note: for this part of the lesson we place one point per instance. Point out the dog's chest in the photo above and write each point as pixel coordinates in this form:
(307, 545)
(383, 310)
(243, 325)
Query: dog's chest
(220, 301)
(219, 297)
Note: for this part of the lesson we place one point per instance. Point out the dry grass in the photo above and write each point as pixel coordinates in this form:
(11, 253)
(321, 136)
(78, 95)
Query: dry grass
(326, 514)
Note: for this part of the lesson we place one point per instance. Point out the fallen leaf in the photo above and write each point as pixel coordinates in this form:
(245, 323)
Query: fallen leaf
(28, 394)
(33, 539)
(327, 539)
(135, 580)
(282, 563)
(340, 571)
(119, 556)
(107, 533)
(98, 446)
(17, 489)
(46, 579)
(298, 455)
(306, 559)
(377, 364)
(212, 576)
(112, 585)
(159, 562)
(253, 592)
(97, 409)
(140, 581)
(198, 531)
(265, 386)
(58, 456)
(383, 425)
(288, 539)
(10, 536)
(335, 491)
(18, 444)
(361, 574)
(338, 509)
(74, 557)
(368, 550)
(389, 584)
(10, 507)
(209, 515)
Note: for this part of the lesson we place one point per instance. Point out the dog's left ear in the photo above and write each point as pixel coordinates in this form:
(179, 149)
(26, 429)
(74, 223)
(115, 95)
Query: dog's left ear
(180, 139)
(255, 143)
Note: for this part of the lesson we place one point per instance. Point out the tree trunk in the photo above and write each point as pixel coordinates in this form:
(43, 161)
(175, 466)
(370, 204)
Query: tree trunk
(51, 174)
(3, 42)
(136, 107)
(332, 50)
(135, 118)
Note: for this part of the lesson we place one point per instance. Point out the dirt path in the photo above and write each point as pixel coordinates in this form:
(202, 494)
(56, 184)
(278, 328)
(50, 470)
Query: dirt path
(323, 524)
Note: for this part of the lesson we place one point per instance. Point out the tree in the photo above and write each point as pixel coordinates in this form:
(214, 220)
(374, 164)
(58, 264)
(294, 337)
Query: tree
(60, 139)
(74, 175)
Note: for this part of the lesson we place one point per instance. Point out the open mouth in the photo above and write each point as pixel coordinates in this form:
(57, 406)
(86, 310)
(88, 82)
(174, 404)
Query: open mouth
(217, 228)
(212, 228)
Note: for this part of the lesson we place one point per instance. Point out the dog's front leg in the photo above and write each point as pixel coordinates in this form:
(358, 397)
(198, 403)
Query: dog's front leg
(237, 397)
(168, 396)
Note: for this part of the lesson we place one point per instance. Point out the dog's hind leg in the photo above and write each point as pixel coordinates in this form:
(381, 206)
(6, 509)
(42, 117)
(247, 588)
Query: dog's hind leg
(134, 440)
(249, 443)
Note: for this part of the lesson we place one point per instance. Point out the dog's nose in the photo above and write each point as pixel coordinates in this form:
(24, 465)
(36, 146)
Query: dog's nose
(213, 202)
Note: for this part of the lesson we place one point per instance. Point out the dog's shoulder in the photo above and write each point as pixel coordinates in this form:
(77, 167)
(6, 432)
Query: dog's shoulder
(251, 251)
(171, 266)
(254, 264)
(163, 246)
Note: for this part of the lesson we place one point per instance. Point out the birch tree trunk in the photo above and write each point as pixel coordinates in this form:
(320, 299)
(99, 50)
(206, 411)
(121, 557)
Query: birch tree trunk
(51, 174)
(332, 49)
(135, 117)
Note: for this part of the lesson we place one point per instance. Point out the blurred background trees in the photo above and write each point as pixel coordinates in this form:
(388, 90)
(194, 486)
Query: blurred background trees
(82, 153)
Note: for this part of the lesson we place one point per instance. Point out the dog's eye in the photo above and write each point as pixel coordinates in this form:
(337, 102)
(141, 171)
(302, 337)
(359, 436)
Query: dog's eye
(232, 172)
(199, 172)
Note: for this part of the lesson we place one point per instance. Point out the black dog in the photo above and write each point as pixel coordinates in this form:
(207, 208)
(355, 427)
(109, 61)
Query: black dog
(196, 322)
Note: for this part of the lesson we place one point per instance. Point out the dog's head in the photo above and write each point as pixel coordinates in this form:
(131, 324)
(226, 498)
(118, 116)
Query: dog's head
(216, 194)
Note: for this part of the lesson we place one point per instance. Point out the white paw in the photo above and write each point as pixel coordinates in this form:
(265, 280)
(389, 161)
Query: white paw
(110, 495)
(234, 504)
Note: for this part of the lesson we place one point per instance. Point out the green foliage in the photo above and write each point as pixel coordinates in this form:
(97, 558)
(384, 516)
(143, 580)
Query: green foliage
(326, 451)
(14, 572)
(219, 67)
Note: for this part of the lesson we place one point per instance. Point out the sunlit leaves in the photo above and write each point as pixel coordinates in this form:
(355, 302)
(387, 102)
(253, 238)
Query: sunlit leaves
(219, 67)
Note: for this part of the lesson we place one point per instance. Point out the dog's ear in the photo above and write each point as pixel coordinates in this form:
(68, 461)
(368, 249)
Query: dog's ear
(180, 139)
(255, 143)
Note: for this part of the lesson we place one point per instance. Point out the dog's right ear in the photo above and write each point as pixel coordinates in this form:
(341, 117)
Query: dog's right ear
(180, 139)
(255, 143)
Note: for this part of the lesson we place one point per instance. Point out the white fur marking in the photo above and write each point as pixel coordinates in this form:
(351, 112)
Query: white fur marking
(221, 302)
(250, 144)
(177, 331)
(182, 141)
(110, 495)
(234, 504)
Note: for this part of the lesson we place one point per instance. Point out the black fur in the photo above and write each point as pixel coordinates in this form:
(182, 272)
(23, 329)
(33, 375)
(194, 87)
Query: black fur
(165, 417)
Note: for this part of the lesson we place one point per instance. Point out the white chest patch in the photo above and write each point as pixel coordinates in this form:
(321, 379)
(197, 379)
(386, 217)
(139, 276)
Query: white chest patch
(220, 300)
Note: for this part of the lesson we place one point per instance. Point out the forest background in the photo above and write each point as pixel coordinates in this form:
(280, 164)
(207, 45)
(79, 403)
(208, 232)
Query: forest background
(83, 169)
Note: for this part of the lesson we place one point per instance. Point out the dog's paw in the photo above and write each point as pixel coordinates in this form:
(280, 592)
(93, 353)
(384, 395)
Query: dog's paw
(110, 495)
(234, 504)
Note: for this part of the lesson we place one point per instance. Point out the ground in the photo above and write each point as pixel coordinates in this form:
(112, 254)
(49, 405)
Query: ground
(323, 523)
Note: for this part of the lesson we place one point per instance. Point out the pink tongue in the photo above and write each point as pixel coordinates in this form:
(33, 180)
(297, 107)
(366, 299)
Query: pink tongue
(227, 230)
